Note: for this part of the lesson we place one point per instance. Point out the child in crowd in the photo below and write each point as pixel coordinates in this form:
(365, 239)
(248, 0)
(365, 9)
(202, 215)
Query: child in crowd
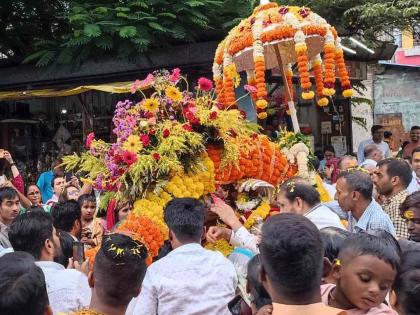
(92, 230)
(332, 239)
(364, 273)
(260, 300)
(405, 297)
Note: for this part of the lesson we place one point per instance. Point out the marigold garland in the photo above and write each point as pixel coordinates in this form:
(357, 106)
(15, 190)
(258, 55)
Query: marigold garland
(289, 79)
(342, 70)
(221, 246)
(317, 68)
(262, 212)
(301, 49)
(329, 62)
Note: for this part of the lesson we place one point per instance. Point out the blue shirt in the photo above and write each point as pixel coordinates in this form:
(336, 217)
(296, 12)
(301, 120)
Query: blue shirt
(44, 184)
(374, 218)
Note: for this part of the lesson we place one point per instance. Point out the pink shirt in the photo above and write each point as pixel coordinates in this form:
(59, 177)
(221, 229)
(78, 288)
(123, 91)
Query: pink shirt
(382, 309)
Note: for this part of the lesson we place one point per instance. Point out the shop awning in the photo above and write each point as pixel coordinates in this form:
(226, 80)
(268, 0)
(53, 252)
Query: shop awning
(117, 87)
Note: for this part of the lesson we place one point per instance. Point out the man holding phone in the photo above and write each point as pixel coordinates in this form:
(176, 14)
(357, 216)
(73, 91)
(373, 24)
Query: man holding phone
(68, 289)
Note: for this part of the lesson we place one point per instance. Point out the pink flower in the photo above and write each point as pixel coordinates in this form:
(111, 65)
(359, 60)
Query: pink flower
(304, 12)
(190, 116)
(148, 81)
(213, 115)
(156, 156)
(135, 86)
(89, 140)
(283, 10)
(129, 157)
(175, 75)
(166, 133)
(250, 88)
(187, 127)
(145, 140)
(205, 84)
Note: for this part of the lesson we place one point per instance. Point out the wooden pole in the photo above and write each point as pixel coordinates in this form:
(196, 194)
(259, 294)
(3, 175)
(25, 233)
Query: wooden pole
(290, 102)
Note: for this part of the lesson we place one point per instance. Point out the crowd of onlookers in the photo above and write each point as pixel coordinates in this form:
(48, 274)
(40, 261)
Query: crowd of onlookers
(358, 253)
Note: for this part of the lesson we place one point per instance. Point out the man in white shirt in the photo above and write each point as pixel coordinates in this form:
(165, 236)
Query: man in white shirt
(190, 279)
(372, 156)
(377, 138)
(415, 166)
(34, 233)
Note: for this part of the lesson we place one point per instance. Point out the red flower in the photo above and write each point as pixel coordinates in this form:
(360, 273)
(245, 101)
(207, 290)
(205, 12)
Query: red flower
(166, 133)
(175, 75)
(254, 136)
(145, 140)
(89, 140)
(205, 84)
(213, 115)
(243, 113)
(189, 115)
(220, 106)
(304, 12)
(149, 115)
(283, 10)
(156, 156)
(152, 132)
(187, 127)
(129, 157)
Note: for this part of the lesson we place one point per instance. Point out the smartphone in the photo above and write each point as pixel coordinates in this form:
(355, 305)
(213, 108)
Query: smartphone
(78, 252)
(68, 177)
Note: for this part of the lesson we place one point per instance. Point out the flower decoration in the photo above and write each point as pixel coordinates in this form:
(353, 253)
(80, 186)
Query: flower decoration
(89, 140)
(173, 93)
(150, 104)
(145, 139)
(175, 75)
(129, 158)
(132, 144)
(221, 246)
(166, 133)
(329, 56)
(205, 84)
(213, 115)
(156, 156)
(250, 88)
(261, 212)
(135, 86)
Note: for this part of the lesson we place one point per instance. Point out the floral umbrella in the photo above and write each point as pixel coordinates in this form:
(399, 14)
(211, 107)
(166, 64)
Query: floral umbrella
(277, 37)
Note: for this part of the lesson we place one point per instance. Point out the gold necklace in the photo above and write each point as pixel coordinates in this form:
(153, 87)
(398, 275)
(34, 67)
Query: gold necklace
(87, 311)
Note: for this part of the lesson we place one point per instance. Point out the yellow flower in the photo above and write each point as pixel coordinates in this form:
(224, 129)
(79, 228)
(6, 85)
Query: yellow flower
(231, 71)
(328, 92)
(262, 115)
(173, 93)
(323, 102)
(262, 104)
(133, 144)
(348, 93)
(261, 212)
(308, 95)
(221, 246)
(150, 105)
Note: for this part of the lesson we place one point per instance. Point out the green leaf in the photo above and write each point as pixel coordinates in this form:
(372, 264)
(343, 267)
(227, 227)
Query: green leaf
(92, 30)
(121, 14)
(128, 31)
(78, 17)
(35, 56)
(158, 27)
(122, 9)
(167, 14)
(46, 59)
(101, 10)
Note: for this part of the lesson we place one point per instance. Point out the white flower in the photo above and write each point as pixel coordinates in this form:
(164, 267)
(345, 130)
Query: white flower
(143, 123)
(290, 19)
(299, 37)
(329, 37)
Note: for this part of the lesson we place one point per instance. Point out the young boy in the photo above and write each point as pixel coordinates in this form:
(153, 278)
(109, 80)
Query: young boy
(364, 273)
(92, 230)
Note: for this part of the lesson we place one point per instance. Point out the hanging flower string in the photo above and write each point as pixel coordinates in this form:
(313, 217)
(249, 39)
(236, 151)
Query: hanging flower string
(317, 68)
(342, 71)
(329, 56)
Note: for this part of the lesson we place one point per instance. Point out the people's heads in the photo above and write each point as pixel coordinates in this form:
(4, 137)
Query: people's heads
(415, 161)
(66, 243)
(331, 169)
(353, 187)
(67, 217)
(295, 197)
(392, 175)
(33, 193)
(118, 271)
(72, 192)
(373, 152)
(9, 205)
(255, 288)
(405, 298)
(332, 240)
(292, 259)
(58, 183)
(57, 168)
(410, 211)
(329, 152)
(122, 210)
(22, 286)
(415, 133)
(185, 220)
(347, 162)
(365, 270)
(34, 233)
(377, 133)
(87, 203)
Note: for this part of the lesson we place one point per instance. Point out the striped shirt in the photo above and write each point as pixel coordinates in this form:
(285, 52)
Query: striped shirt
(373, 218)
(392, 207)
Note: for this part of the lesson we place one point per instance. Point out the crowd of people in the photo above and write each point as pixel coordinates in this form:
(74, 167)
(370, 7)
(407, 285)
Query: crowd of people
(358, 253)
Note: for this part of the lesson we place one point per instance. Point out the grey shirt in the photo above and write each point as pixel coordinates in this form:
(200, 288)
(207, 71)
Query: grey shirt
(4, 236)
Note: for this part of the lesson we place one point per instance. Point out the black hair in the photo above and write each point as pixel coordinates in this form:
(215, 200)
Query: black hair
(22, 285)
(35, 209)
(185, 218)
(258, 292)
(7, 193)
(388, 238)
(416, 150)
(387, 134)
(292, 254)
(29, 231)
(358, 181)
(332, 240)
(119, 269)
(407, 289)
(398, 168)
(410, 260)
(366, 244)
(54, 178)
(66, 242)
(375, 128)
(86, 198)
(415, 128)
(65, 214)
(330, 148)
(412, 201)
(30, 185)
(314, 161)
(164, 250)
(306, 192)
